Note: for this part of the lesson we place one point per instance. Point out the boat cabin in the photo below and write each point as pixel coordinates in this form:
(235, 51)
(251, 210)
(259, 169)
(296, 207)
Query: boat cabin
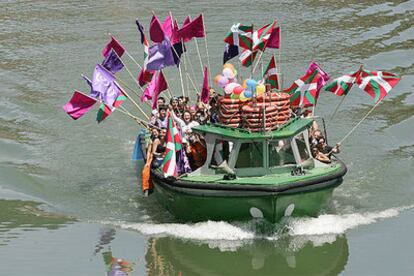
(257, 153)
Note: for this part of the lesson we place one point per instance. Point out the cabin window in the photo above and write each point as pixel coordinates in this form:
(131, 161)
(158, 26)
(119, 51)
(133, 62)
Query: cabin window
(250, 156)
(281, 153)
(221, 152)
(303, 150)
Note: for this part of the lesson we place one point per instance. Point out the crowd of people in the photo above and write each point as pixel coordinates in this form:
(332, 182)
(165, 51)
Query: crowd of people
(186, 117)
(194, 153)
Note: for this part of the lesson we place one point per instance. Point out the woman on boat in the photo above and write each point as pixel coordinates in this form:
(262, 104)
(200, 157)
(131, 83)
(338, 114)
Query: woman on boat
(158, 149)
(185, 124)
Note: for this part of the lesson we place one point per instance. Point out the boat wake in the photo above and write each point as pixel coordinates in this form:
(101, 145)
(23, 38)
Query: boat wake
(227, 236)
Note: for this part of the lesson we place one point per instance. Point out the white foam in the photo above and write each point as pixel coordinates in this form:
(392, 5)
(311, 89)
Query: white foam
(338, 224)
(320, 230)
(209, 230)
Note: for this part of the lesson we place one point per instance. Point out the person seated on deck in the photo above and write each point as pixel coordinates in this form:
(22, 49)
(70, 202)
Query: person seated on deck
(158, 149)
(323, 152)
(196, 151)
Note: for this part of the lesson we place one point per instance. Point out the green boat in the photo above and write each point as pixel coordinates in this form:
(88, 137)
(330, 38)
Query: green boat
(265, 175)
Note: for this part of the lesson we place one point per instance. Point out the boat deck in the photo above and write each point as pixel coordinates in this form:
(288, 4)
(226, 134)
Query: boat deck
(276, 179)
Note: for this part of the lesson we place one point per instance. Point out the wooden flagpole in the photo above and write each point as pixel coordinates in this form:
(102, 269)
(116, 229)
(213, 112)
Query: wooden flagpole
(358, 124)
(208, 58)
(337, 108)
(129, 55)
(199, 56)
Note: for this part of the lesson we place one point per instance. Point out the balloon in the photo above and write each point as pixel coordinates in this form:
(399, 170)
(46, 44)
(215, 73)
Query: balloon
(229, 65)
(238, 90)
(251, 83)
(228, 73)
(242, 97)
(217, 78)
(260, 89)
(244, 84)
(229, 87)
(222, 81)
(235, 72)
(234, 96)
(248, 93)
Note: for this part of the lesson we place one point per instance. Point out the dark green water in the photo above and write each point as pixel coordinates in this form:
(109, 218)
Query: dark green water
(81, 175)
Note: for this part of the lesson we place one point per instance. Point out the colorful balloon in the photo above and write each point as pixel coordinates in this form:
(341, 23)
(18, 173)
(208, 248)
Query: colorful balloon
(222, 81)
(229, 65)
(217, 78)
(244, 84)
(260, 89)
(248, 93)
(234, 96)
(238, 90)
(228, 73)
(229, 87)
(242, 97)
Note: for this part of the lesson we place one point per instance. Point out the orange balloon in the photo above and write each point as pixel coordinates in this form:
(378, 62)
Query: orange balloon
(244, 84)
(216, 79)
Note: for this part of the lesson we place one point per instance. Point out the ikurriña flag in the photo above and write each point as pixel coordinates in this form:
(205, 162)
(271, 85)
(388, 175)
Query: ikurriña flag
(304, 91)
(173, 139)
(342, 85)
(270, 74)
(377, 84)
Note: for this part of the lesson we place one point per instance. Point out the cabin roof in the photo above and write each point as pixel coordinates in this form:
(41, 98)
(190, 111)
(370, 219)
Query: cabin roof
(290, 129)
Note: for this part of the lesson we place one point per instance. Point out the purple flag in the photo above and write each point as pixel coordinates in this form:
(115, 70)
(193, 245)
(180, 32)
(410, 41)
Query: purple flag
(183, 164)
(103, 83)
(78, 105)
(112, 62)
(160, 56)
(324, 76)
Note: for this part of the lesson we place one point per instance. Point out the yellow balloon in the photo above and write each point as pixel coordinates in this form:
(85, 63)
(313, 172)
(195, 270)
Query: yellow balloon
(242, 97)
(229, 65)
(260, 89)
(244, 84)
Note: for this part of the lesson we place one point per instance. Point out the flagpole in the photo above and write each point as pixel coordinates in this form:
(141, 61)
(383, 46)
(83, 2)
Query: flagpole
(168, 85)
(337, 107)
(129, 72)
(254, 68)
(136, 119)
(280, 52)
(126, 94)
(208, 58)
(199, 56)
(189, 62)
(187, 74)
(358, 124)
(129, 55)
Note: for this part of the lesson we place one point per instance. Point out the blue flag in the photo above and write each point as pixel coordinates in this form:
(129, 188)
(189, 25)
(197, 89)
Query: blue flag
(112, 62)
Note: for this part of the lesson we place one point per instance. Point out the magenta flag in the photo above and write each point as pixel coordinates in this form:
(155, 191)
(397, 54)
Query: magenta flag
(192, 29)
(205, 91)
(167, 26)
(78, 105)
(161, 85)
(324, 76)
(156, 30)
(175, 36)
(149, 91)
(186, 21)
(144, 77)
(274, 39)
(113, 44)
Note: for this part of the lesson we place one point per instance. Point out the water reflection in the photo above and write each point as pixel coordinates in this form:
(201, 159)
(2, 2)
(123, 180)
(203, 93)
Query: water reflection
(19, 215)
(307, 256)
(116, 266)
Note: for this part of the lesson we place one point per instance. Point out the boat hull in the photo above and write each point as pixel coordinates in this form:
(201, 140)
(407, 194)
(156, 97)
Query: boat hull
(192, 203)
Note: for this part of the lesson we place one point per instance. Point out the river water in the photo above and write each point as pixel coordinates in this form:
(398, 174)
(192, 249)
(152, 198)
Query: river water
(69, 194)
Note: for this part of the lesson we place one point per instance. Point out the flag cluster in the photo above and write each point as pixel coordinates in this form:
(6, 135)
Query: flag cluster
(250, 41)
